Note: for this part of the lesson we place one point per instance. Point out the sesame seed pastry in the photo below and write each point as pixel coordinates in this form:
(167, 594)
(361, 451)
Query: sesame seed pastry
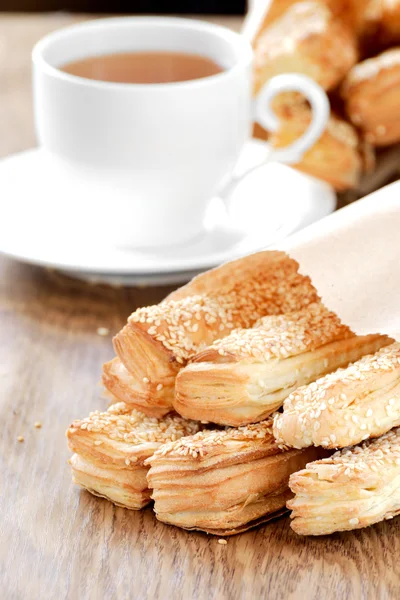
(371, 92)
(356, 14)
(110, 449)
(121, 384)
(223, 482)
(354, 488)
(306, 39)
(345, 407)
(246, 376)
(159, 340)
(339, 157)
(277, 8)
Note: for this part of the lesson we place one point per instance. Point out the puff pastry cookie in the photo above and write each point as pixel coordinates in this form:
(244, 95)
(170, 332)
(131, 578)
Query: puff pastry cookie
(159, 340)
(122, 386)
(110, 449)
(306, 39)
(246, 376)
(345, 407)
(371, 92)
(353, 488)
(223, 482)
(342, 9)
(338, 157)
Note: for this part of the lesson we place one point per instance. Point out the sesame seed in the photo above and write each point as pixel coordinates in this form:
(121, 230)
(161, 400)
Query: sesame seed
(239, 303)
(199, 445)
(132, 427)
(353, 521)
(38, 424)
(159, 387)
(20, 438)
(146, 380)
(352, 385)
(103, 331)
(222, 542)
(371, 67)
(284, 335)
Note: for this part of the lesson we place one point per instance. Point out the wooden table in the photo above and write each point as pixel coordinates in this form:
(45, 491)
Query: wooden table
(57, 542)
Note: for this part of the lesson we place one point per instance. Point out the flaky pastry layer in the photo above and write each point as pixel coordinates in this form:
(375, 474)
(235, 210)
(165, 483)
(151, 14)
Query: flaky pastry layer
(371, 94)
(159, 340)
(122, 386)
(306, 39)
(110, 449)
(338, 157)
(345, 407)
(246, 376)
(354, 488)
(224, 481)
(121, 486)
(355, 14)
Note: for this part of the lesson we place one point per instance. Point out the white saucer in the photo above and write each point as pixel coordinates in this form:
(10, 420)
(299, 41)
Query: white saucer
(43, 221)
(143, 281)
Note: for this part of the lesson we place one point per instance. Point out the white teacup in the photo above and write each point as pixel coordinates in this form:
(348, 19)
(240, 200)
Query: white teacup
(151, 156)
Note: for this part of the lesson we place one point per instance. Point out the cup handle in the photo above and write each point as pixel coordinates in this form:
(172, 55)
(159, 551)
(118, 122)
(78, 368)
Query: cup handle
(265, 116)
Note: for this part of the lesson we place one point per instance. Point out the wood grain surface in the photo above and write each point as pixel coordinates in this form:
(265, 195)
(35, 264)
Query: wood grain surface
(57, 542)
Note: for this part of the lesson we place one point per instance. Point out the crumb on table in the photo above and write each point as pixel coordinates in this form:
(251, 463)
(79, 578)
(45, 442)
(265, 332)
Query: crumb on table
(103, 331)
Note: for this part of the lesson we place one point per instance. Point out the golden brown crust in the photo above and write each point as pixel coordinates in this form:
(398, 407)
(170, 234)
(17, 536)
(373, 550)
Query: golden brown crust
(246, 376)
(278, 337)
(271, 276)
(111, 448)
(345, 407)
(337, 157)
(371, 94)
(158, 340)
(354, 488)
(222, 481)
(275, 10)
(249, 525)
(123, 487)
(306, 39)
(359, 15)
(123, 387)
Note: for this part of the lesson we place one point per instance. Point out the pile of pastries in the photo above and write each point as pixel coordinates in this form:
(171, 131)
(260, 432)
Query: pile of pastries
(241, 396)
(352, 49)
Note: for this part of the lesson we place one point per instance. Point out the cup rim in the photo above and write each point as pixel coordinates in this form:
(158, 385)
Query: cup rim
(230, 36)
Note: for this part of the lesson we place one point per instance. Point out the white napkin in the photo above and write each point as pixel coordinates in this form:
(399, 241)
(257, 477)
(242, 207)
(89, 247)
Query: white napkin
(353, 259)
